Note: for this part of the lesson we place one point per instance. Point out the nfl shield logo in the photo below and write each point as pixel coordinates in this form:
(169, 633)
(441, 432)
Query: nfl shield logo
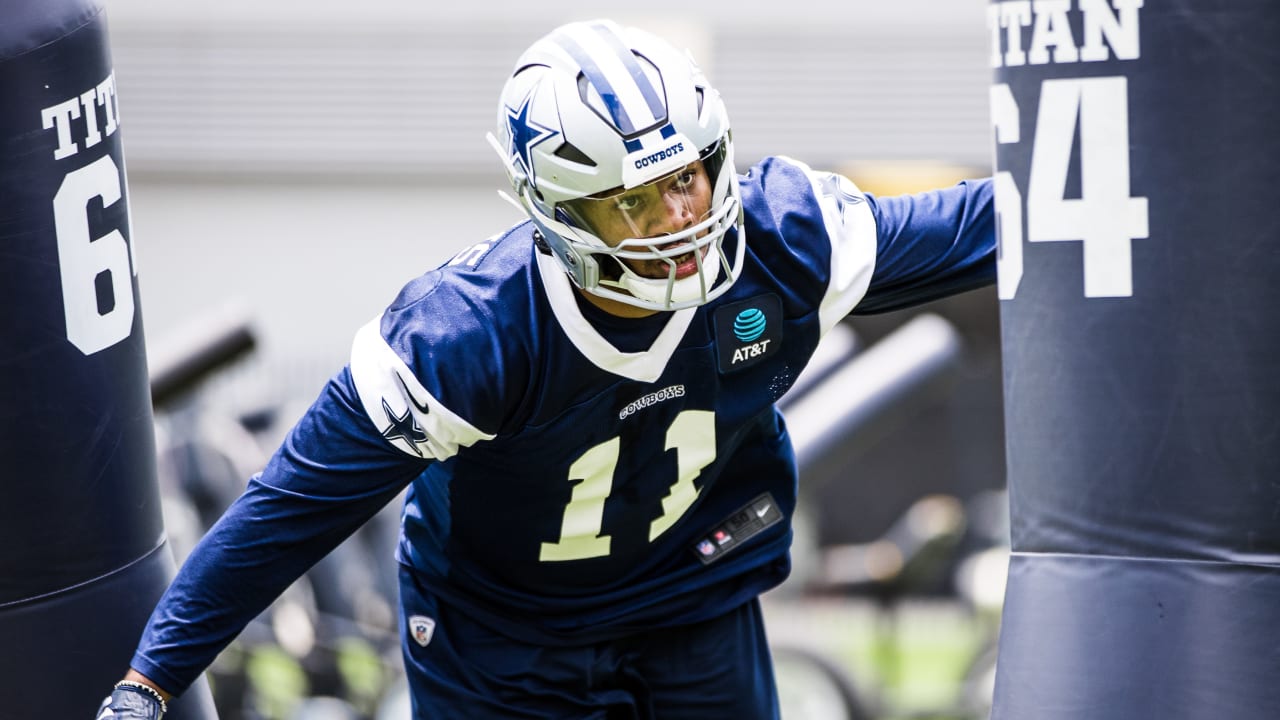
(421, 628)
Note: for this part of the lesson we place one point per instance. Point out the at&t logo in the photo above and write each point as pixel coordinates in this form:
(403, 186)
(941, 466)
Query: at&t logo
(748, 326)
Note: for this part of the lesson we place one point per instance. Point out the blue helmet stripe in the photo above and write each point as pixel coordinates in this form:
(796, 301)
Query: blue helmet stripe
(597, 78)
(633, 68)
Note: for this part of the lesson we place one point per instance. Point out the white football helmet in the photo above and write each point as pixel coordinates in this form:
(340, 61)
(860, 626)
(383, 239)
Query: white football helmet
(600, 120)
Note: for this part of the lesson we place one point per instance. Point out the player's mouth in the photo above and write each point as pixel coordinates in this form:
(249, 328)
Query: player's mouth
(686, 263)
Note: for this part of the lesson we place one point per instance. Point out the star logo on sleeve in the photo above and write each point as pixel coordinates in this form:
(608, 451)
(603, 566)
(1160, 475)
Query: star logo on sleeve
(404, 427)
(525, 133)
(833, 188)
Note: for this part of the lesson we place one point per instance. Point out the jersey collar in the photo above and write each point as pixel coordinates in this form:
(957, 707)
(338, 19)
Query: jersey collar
(646, 366)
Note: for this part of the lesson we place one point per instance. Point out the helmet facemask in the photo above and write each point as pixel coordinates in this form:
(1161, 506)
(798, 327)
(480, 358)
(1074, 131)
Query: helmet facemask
(661, 243)
(651, 217)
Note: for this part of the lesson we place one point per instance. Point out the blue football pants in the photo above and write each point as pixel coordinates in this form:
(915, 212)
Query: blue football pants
(719, 668)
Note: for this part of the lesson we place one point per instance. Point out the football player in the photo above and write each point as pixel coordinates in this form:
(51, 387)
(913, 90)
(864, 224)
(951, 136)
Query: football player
(582, 406)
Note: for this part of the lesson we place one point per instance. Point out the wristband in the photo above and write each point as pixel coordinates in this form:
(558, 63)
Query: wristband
(145, 689)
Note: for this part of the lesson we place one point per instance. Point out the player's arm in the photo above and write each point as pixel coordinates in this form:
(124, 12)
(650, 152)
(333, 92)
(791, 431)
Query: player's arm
(883, 253)
(930, 245)
(333, 472)
(374, 428)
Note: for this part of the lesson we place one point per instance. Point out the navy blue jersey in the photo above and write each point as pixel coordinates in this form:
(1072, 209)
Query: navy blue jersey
(576, 477)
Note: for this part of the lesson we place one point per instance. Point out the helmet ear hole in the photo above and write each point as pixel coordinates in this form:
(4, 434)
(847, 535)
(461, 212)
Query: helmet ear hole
(573, 153)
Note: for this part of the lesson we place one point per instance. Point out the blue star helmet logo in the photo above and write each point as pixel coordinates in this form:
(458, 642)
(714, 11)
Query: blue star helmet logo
(525, 133)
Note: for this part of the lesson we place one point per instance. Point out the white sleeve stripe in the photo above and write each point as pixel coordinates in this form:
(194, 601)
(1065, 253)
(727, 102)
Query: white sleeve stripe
(851, 229)
(853, 260)
(410, 418)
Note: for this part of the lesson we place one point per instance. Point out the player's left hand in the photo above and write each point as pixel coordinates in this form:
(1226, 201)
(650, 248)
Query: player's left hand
(131, 702)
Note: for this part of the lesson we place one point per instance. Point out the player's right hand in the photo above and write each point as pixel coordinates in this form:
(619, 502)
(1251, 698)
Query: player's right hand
(129, 701)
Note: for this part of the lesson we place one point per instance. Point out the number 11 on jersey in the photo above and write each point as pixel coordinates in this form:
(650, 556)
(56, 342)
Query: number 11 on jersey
(692, 435)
